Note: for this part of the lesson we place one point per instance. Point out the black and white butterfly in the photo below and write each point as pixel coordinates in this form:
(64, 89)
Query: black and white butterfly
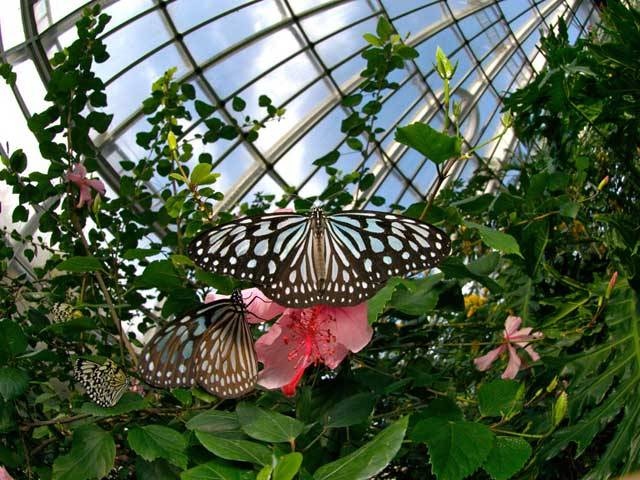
(302, 260)
(104, 383)
(211, 346)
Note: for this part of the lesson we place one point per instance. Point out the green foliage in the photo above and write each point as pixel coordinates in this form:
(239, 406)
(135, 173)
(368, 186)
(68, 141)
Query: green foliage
(434, 145)
(157, 441)
(92, 454)
(267, 426)
(369, 459)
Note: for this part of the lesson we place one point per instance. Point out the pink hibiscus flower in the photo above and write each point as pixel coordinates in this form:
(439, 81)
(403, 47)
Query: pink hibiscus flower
(4, 475)
(512, 339)
(79, 178)
(302, 337)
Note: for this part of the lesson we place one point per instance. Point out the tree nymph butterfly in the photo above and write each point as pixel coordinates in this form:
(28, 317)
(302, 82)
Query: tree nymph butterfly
(104, 383)
(211, 346)
(302, 260)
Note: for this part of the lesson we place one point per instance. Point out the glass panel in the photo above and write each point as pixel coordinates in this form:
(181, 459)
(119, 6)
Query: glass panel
(131, 43)
(11, 31)
(242, 67)
(323, 23)
(47, 12)
(30, 86)
(212, 38)
(417, 22)
(335, 48)
(186, 14)
(125, 95)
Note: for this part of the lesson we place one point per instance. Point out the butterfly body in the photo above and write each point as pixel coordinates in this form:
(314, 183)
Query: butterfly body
(104, 383)
(302, 260)
(212, 346)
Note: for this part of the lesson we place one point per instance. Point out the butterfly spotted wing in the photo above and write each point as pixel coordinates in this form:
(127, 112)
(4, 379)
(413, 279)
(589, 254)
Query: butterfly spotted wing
(340, 259)
(211, 346)
(104, 383)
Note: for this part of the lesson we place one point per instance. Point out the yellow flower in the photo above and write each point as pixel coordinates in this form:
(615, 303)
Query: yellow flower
(473, 302)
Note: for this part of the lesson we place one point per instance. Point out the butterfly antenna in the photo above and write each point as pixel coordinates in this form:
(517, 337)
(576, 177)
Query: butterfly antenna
(263, 300)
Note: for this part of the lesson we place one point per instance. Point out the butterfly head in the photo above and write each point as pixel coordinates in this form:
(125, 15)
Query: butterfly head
(317, 219)
(236, 298)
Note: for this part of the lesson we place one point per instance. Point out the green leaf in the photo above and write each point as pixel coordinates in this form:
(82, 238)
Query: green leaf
(329, 159)
(130, 402)
(287, 466)
(507, 457)
(160, 274)
(454, 267)
(265, 473)
(502, 242)
(215, 471)
(92, 454)
(569, 209)
(99, 121)
(378, 303)
(18, 161)
(80, 264)
(201, 174)
(456, 448)
(384, 29)
(19, 214)
(434, 145)
(204, 109)
(352, 100)
(350, 411)
(232, 449)
(158, 441)
(156, 470)
(213, 421)
(238, 104)
(354, 144)
(14, 341)
(372, 39)
(13, 382)
(264, 101)
(500, 398)
(418, 298)
(266, 425)
(407, 52)
(369, 459)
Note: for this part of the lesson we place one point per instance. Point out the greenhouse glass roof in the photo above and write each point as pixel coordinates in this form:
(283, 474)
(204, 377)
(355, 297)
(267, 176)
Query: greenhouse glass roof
(304, 54)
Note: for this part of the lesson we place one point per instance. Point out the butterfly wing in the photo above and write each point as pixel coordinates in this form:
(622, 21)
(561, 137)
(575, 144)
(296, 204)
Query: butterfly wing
(176, 355)
(227, 363)
(104, 384)
(264, 250)
(365, 249)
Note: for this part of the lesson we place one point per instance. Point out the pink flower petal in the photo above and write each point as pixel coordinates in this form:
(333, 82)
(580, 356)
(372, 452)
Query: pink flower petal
(290, 388)
(484, 362)
(85, 196)
(262, 308)
(4, 475)
(511, 325)
(273, 351)
(532, 353)
(352, 327)
(97, 185)
(514, 364)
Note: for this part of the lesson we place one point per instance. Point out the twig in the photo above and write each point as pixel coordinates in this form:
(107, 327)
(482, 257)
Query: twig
(110, 306)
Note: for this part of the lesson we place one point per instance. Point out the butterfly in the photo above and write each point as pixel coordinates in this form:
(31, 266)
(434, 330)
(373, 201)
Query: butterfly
(211, 346)
(302, 260)
(104, 383)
